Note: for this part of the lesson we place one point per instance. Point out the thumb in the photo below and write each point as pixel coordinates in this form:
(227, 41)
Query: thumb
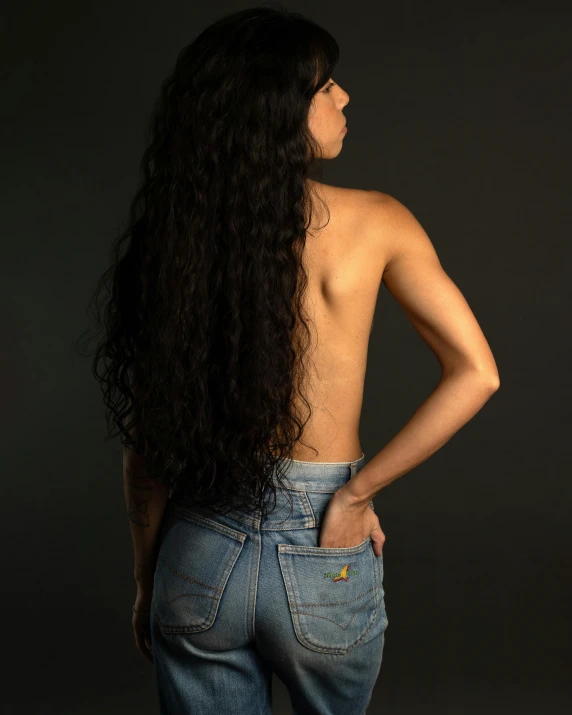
(378, 540)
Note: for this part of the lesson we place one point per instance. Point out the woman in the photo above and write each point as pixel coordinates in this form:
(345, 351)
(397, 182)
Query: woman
(236, 342)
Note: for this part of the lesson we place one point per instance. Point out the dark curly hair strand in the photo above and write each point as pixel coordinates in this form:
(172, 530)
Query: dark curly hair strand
(206, 339)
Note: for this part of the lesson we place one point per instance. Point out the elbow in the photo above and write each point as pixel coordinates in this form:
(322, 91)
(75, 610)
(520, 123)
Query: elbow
(485, 379)
(490, 379)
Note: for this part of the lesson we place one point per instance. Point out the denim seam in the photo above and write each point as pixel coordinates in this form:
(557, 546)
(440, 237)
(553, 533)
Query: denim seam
(325, 618)
(251, 582)
(324, 550)
(194, 580)
(333, 603)
(211, 524)
(257, 572)
(347, 650)
(286, 578)
(311, 517)
(243, 519)
(313, 486)
(288, 526)
(353, 461)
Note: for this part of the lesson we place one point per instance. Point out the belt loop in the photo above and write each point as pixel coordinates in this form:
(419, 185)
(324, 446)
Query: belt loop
(354, 465)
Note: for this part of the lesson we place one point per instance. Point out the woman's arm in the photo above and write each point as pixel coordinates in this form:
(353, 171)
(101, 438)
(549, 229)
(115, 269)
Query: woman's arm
(442, 317)
(145, 500)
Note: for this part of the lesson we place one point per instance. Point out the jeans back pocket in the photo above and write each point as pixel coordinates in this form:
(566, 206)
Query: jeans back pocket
(333, 593)
(194, 563)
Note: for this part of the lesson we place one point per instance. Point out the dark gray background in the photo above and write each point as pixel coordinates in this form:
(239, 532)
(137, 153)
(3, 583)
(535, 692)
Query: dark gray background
(462, 112)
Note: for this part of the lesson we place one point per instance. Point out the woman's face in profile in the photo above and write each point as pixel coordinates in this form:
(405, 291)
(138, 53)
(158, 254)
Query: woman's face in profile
(325, 118)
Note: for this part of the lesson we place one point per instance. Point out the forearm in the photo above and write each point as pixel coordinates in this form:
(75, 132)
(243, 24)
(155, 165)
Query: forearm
(455, 400)
(145, 500)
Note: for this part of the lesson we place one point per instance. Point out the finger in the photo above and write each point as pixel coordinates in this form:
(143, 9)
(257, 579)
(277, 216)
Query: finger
(144, 645)
(377, 545)
(146, 652)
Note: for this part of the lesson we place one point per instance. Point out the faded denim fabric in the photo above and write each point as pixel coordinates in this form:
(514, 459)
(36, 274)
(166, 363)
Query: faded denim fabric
(237, 599)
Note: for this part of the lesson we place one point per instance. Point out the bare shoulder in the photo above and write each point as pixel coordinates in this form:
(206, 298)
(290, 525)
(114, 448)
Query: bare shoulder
(394, 231)
(341, 195)
(369, 203)
(398, 242)
(387, 227)
(350, 205)
(389, 216)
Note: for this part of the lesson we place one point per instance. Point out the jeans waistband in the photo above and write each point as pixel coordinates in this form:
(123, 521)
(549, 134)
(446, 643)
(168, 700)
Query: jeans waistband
(318, 476)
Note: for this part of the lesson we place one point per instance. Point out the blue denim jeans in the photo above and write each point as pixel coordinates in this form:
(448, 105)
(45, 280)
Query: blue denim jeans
(237, 598)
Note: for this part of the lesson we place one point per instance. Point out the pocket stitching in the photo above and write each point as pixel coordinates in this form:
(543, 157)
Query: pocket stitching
(210, 523)
(236, 550)
(325, 649)
(207, 622)
(333, 603)
(330, 550)
(218, 589)
(299, 631)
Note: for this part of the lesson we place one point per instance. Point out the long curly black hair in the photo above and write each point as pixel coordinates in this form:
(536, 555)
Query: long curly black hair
(205, 338)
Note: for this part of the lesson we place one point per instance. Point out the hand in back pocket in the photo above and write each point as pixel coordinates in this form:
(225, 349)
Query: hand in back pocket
(345, 525)
(335, 595)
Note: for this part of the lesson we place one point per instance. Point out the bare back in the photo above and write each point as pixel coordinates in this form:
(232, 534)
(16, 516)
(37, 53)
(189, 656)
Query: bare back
(344, 270)
(373, 237)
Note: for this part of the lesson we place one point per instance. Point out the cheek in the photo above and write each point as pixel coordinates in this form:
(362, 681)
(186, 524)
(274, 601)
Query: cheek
(318, 127)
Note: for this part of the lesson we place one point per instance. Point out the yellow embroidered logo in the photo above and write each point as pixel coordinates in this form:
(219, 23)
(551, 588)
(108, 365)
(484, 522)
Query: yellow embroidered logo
(341, 575)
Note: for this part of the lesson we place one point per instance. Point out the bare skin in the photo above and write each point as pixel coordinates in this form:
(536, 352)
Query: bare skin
(346, 262)
(370, 238)
(343, 284)
(145, 500)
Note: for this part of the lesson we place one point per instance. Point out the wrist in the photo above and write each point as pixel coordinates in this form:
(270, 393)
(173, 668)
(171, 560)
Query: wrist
(349, 499)
(144, 574)
(145, 587)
